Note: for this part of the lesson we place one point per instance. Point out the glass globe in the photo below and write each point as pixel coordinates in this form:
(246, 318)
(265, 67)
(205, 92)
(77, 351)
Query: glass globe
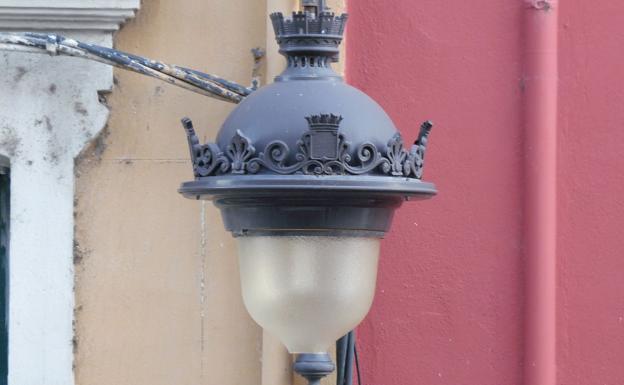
(308, 291)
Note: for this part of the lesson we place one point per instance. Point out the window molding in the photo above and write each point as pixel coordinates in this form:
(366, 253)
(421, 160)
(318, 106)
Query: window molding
(98, 15)
(5, 210)
(49, 111)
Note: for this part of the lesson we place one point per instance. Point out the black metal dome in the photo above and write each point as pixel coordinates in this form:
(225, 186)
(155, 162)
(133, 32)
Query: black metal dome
(279, 110)
(308, 154)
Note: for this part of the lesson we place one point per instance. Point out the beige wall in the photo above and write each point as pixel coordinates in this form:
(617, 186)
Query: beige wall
(157, 287)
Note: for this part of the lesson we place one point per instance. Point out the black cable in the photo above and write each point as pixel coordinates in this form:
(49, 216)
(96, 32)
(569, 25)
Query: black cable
(348, 373)
(341, 359)
(357, 365)
(346, 356)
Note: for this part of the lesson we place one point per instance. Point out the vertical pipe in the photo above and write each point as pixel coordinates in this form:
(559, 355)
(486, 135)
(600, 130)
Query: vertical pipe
(540, 119)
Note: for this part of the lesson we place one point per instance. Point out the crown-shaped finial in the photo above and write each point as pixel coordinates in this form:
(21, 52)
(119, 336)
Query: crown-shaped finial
(309, 34)
(324, 121)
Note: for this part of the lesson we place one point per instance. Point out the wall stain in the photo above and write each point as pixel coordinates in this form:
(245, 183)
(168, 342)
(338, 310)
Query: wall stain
(21, 71)
(77, 310)
(9, 141)
(94, 150)
(47, 120)
(80, 108)
(99, 144)
(54, 157)
(79, 252)
(48, 123)
(541, 5)
(52, 88)
(55, 148)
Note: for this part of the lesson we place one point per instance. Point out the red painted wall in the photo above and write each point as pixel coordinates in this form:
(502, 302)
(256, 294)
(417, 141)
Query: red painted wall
(449, 304)
(591, 193)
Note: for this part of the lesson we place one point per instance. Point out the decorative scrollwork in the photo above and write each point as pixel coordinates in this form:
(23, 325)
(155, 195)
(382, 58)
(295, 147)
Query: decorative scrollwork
(369, 159)
(322, 150)
(207, 159)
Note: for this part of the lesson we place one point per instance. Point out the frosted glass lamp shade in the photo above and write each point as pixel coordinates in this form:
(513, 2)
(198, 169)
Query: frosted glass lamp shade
(308, 290)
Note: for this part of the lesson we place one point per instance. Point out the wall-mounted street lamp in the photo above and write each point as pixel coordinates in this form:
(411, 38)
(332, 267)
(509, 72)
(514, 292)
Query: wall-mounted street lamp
(307, 173)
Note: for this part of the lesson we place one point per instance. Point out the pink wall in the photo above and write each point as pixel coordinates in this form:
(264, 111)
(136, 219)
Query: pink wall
(449, 305)
(591, 193)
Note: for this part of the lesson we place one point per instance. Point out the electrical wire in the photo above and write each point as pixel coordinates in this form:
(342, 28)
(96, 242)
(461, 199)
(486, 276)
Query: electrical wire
(357, 365)
(346, 356)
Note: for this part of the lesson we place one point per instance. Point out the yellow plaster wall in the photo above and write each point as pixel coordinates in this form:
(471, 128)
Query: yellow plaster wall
(157, 287)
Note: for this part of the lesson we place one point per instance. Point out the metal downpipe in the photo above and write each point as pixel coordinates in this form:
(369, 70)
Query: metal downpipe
(540, 220)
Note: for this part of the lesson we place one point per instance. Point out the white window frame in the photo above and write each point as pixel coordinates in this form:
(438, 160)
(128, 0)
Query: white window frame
(42, 129)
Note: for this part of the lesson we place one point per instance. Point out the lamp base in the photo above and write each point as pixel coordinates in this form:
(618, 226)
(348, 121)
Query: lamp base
(314, 367)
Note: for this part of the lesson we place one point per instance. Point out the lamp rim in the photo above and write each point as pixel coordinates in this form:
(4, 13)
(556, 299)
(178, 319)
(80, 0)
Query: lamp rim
(271, 205)
(212, 188)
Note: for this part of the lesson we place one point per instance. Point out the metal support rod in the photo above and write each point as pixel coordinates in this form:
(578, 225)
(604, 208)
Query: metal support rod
(189, 79)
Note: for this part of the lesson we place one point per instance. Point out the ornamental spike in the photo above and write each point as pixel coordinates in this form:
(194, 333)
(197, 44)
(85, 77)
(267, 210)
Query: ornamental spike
(193, 140)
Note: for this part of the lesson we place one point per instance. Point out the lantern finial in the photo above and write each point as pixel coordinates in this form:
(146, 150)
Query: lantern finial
(313, 7)
(309, 34)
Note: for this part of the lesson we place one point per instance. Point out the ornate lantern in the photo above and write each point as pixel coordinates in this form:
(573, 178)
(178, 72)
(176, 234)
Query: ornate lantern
(307, 173)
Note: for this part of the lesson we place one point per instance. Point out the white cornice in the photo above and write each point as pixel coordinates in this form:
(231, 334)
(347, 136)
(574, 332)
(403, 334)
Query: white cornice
(85, 15)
